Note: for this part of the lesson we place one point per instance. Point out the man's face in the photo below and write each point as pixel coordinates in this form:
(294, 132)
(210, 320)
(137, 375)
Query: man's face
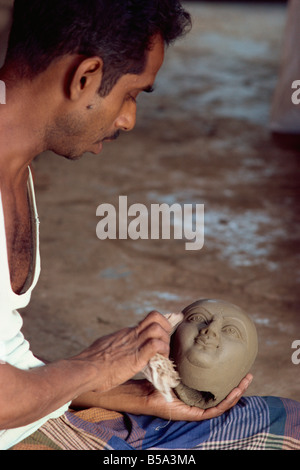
(85, 130)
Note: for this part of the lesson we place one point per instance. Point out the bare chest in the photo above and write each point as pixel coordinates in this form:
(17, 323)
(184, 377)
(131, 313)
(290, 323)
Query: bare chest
(18, 229)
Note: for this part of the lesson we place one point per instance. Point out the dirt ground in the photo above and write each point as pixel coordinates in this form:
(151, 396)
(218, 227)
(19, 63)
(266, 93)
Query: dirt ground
(201, 138)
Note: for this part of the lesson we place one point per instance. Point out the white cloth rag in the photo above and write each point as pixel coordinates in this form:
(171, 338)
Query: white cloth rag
(160, 370)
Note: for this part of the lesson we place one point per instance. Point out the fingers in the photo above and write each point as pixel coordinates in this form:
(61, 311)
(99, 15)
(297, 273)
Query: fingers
(153, 336)
(245, 382)
(179, 411)
(230, 401)
(154, 317)
(174, 319)
(237, 392)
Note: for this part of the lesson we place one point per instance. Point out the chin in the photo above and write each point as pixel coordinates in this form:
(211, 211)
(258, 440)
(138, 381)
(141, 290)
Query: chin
(71, 155)
(204, 358)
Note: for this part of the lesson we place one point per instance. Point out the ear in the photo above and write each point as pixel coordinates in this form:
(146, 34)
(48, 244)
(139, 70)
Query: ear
(86, 79)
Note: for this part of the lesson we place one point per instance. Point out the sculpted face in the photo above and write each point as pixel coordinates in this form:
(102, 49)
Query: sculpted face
(213, 348)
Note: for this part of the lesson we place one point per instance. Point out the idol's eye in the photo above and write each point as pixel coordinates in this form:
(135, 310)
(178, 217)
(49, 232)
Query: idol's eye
(232, 331)
(198, 318)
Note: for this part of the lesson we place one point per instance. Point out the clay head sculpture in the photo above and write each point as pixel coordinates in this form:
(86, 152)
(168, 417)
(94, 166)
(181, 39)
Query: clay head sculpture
(213, 348)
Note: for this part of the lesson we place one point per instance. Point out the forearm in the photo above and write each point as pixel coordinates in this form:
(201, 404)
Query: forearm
(140, 398)
(28, 395)
(130, 397)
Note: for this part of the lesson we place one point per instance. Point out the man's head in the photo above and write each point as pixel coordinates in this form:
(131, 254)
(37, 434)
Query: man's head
(213, 349)
(100, 53)
(118, 31)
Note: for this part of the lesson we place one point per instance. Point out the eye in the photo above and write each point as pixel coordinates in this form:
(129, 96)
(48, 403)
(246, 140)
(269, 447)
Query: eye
(232, 331)
(131, 98)
(198, 318)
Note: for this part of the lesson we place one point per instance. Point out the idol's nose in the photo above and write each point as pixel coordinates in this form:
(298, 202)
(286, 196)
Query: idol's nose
(212, 330)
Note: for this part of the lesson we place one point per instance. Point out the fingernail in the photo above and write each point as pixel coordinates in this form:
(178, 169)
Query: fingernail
(249, 381)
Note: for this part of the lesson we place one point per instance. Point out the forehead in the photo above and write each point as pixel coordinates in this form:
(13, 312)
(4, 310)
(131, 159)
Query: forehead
(227, 317)
(215, 307)
(154, 61)
(155, 56)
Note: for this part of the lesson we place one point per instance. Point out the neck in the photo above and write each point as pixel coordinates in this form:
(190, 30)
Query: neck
(194, 397)
(21, 124)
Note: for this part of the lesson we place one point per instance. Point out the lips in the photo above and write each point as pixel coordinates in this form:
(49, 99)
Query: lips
(113, 137)
(97, 148)
(208, 343)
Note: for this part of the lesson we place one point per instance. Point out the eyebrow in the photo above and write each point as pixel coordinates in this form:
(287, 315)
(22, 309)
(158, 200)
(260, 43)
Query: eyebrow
(148, 89)
(239, 323)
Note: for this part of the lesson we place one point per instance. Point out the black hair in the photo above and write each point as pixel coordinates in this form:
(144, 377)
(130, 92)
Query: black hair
(118, 31)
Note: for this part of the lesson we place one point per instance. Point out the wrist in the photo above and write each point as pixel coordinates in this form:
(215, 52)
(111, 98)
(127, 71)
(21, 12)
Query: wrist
(130, 397)
(81, 375)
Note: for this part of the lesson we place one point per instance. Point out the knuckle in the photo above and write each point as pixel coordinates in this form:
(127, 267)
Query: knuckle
(155, 315)
(156, 345)
(155, 329)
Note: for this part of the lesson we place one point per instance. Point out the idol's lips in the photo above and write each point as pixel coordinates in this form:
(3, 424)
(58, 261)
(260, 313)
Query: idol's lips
(206, 342)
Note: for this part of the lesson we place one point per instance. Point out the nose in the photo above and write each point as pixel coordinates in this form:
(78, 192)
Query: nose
(212, 330)
(127, 118)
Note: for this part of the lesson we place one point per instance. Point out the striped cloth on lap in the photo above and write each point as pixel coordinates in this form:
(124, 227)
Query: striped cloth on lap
(255, 423)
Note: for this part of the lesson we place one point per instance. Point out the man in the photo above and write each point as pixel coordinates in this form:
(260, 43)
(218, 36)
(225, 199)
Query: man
(73, 71)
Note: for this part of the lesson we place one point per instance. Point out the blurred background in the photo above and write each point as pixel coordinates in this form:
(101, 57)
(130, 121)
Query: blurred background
(203, 137)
